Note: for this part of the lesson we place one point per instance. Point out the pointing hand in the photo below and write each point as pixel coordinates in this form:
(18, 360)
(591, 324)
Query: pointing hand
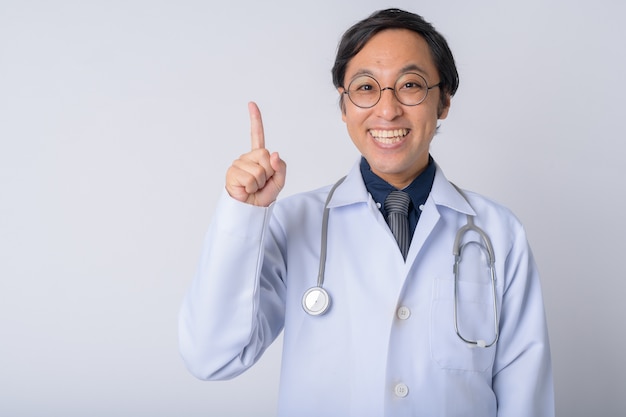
(257, 176)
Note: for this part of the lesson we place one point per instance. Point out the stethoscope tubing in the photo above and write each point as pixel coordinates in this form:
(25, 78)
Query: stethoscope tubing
(324, 244)
(316, 300)
(491, 260)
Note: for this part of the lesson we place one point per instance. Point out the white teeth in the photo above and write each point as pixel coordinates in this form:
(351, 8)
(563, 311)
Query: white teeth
(389, 136)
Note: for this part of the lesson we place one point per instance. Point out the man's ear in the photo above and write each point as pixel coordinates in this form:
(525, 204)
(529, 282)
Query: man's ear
(342, 104)
(444, 106)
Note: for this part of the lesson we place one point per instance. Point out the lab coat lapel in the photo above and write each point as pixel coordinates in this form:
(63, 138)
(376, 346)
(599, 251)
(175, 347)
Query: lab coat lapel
(443, 194)
(380, 241)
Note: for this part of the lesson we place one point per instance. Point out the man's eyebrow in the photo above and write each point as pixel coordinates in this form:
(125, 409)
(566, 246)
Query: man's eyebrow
(413, 68)
(362, 72)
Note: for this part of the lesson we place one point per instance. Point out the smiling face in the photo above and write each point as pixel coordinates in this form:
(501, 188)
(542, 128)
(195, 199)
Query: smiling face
(394, 138)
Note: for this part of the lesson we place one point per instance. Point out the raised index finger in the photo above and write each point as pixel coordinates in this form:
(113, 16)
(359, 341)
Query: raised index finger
(256, 126)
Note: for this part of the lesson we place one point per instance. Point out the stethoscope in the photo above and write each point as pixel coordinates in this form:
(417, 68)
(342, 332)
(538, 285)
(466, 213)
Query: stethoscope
(316, 300)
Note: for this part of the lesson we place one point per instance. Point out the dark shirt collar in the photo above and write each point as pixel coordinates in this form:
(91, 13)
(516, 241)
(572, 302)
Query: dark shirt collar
(418, 190)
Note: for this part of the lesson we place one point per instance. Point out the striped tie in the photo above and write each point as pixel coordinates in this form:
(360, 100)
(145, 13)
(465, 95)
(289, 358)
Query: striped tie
(397, 207)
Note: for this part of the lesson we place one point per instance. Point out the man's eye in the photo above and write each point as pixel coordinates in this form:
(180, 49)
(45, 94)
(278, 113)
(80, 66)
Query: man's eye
(364, 88)
(412, 85)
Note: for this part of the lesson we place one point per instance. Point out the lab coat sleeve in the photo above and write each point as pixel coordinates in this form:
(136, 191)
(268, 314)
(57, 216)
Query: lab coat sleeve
(230, 315)
(522, 370)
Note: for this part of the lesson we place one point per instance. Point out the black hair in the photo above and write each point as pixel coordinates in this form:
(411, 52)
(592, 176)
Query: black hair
(355, 38)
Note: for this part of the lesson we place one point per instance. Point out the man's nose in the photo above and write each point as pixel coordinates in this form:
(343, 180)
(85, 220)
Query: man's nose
(388, 106)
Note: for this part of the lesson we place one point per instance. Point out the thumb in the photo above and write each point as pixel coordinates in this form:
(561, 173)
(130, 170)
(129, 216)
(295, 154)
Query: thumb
(280, 170)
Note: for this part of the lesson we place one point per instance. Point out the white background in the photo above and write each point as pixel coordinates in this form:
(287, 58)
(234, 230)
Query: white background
(118, 120)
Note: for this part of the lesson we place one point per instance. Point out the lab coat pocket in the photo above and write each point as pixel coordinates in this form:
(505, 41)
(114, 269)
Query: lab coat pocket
(475, 321)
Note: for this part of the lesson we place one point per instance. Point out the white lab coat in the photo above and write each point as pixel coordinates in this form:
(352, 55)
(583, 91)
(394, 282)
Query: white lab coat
(387, 346)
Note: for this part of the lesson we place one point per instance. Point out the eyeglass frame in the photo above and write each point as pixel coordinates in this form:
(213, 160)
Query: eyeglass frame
(395, 94)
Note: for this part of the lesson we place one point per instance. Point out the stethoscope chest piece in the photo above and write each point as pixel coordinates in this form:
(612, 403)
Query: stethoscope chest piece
(315, 301)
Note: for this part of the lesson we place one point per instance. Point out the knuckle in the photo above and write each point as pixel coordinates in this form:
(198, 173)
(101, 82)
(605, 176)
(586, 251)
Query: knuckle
(258, 172)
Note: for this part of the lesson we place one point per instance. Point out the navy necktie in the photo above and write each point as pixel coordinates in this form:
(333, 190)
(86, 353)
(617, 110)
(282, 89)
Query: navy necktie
(397, 207)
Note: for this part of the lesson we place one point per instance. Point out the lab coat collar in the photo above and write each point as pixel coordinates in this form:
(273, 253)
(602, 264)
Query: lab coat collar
(352, 190)
(443, 193)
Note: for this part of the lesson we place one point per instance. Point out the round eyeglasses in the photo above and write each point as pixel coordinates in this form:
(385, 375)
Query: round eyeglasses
(410, 89)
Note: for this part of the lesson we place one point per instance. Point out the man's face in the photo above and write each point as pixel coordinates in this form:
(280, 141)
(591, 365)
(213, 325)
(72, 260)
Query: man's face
(394, 138)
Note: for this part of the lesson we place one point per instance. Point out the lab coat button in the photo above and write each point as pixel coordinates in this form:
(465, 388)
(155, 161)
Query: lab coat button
(403, 313)
(401, 390)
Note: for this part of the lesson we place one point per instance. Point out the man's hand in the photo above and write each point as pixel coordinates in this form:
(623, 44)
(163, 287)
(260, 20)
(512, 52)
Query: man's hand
(257, 176)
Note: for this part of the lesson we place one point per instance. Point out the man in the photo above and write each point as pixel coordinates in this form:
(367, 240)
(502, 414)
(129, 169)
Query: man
(401, 336)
